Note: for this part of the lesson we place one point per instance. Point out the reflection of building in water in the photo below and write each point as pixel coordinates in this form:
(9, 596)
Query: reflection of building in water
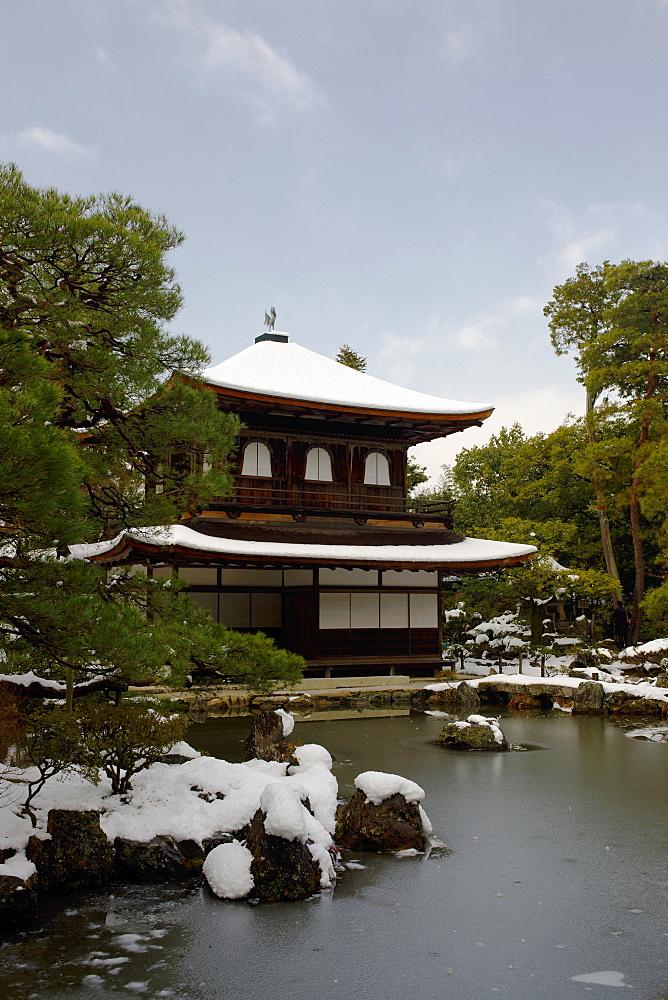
(320, 546)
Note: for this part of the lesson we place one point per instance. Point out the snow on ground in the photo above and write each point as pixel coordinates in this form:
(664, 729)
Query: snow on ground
(647, 648)
(640, 689)
(191, 801)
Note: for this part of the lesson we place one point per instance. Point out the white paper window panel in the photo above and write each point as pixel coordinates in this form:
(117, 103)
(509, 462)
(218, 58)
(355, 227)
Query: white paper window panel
(297, 577)
(137, 568)
(162, 571)
(423, 610)
(334, 611)
(376, 469)
(394, 610)
(318, 465)
(410, 578)
(234, 610)
(364, 610)
(265, 610)
(206, 599)
(201, 576)
(348, 577)
(251, 578)
(257, 460)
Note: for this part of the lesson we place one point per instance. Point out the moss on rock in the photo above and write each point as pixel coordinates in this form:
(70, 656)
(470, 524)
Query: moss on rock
(78, 855)
(473, 736)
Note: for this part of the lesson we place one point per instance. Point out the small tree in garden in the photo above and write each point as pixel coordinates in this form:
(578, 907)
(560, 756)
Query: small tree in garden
(123, 740)
(50, 744)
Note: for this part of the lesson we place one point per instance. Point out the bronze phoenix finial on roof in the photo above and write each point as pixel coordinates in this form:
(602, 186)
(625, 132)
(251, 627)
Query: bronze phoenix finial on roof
(270, 319)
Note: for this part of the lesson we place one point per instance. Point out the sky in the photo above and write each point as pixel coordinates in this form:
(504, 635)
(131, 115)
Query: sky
(409, 177)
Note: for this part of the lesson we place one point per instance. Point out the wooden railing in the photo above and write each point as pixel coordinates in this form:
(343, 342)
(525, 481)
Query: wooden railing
(332, 498)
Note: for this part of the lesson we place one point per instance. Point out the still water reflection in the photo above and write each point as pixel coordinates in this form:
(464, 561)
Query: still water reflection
(558, 870)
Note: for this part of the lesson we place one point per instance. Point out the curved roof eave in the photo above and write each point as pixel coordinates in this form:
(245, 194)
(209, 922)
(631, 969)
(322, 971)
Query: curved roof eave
(471, 554)
(286, 373)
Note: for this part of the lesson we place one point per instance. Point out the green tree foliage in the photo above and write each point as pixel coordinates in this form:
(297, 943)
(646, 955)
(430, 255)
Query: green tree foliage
(50, 744)
(615, 320)
(416, 474)
(350, 358)
(524, 590)
(103, 426)
(123, 740)
(525, 489)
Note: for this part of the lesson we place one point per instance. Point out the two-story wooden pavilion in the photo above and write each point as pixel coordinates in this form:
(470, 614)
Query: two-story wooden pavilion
(319, 546)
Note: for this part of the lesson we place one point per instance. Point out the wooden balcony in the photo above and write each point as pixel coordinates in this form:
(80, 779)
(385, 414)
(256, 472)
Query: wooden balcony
(308, 499)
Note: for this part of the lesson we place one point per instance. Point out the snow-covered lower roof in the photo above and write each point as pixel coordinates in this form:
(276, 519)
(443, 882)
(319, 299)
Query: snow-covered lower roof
(289, 371)
(467, 553)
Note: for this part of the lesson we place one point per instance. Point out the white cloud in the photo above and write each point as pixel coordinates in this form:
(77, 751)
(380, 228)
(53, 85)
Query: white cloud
(39, 137)
(535, 410)
(459, 43)
(248, 57)
(407, 359)
(401, 358)
(469, 24)
(262, 74)
(524, 305)
(575, 241)
(104, 58)
(479, 333)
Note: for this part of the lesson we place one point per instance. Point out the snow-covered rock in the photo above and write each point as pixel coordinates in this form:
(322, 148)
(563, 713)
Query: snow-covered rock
(227, 870)
(384, 814)
(475, 733)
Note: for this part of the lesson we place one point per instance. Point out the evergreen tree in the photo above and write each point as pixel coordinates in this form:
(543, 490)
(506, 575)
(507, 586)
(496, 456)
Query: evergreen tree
(103, 426)
(416, 474)
(350, 358)
(622, 357)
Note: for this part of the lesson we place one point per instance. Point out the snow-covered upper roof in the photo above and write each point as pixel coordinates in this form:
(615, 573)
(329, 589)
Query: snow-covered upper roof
(469, 551)
(289, 371)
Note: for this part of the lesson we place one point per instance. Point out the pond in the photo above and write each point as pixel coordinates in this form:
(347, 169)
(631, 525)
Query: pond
(558, 869)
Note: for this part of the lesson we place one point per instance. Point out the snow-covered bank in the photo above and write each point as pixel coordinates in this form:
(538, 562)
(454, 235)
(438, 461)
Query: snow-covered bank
(188, 802)
(639, 689)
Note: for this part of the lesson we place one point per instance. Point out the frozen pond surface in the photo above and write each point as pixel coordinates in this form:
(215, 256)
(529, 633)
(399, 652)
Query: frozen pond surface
(556, 888)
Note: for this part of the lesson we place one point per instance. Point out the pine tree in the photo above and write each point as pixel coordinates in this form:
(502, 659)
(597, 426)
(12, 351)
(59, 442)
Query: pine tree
(103, 426)
(615, 318)
(350, 358)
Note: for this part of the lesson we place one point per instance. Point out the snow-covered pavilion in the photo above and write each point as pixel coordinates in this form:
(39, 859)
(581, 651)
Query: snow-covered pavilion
(319, 545)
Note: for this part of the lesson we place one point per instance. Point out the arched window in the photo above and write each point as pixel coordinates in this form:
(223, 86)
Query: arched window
(376, 469)
(318, 465)
(257, 460)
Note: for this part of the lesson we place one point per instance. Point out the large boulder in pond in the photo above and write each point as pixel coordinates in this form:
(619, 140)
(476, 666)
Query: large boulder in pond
(384, 814)
(624, 703)
(462, 698)
(78, 855)
(267, 737)
(588, 698)
(476, 733)
(18, 903)
(161, 859)
(281, 869)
